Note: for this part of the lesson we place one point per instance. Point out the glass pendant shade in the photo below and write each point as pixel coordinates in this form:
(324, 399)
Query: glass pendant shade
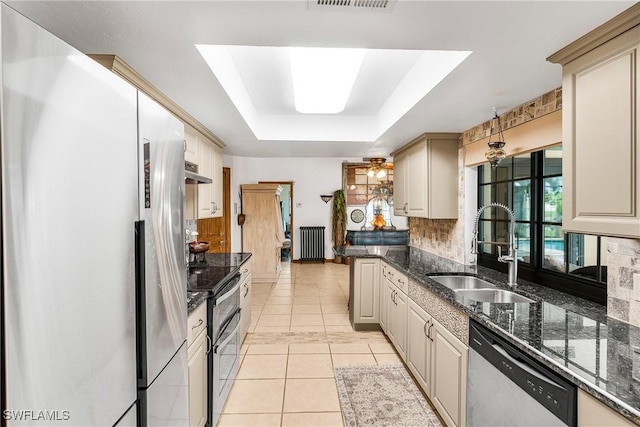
(496, 153)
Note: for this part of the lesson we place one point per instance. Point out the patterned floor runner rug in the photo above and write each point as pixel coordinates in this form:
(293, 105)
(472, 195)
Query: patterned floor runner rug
(382, 396)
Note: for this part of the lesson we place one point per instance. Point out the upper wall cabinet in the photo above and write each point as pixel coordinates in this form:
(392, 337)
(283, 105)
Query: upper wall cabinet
(601, 118)
(191, 144)
(210, 165)
(400, 184)
(426, 177)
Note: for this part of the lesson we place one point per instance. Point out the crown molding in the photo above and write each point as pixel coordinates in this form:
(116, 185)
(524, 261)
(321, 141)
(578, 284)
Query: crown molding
(122, 69)
(616, 26)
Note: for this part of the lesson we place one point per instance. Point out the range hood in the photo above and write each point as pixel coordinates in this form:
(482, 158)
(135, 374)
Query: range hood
(191, 175)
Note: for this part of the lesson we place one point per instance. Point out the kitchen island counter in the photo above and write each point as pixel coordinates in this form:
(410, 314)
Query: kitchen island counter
(570, 335)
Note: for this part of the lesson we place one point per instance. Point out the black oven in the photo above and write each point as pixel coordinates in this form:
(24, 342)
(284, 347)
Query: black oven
(222, 286)
(223, 315)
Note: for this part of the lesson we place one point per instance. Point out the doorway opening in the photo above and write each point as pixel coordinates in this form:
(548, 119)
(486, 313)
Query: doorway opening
(286, 209)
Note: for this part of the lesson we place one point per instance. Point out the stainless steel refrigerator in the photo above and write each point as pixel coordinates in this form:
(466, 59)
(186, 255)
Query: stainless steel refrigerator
(72, 175)
(161, 269)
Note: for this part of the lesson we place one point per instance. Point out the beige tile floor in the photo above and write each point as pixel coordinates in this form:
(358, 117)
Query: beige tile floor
(299, 331)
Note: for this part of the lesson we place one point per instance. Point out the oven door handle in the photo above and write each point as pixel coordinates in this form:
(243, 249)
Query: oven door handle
(229, 338)
(226, 295)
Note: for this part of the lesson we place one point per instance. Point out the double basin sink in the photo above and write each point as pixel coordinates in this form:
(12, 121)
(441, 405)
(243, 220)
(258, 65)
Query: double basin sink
(475, 289)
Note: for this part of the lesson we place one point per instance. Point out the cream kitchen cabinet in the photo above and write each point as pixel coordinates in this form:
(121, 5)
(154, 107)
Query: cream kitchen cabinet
(593, 413)
(438, 361)
(191, 145)
(400, 184)
(393, 307)
(366, 290)
(428, 177)
(448, 375)
(197, 348)
(600, 120)
(419, 345)
(245, 299)
(210, 166)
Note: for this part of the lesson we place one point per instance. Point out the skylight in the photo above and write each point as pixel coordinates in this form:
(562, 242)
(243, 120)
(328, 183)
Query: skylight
(377, 89)
(322, 78)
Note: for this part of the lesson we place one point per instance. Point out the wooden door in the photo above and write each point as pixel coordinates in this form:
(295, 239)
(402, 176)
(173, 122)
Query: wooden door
(216, 230)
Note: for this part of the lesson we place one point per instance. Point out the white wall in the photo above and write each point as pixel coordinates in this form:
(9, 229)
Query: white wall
(312, 177)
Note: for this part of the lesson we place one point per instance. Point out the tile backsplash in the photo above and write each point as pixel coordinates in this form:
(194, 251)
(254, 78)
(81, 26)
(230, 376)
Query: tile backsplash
(623, 262)
(190, 226)
(440, 237)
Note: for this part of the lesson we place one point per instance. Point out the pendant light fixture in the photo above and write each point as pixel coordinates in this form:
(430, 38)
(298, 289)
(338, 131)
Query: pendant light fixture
(496, 152)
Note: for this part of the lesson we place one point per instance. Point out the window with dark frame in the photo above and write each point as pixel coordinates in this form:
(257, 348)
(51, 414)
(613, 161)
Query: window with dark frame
(531, 185)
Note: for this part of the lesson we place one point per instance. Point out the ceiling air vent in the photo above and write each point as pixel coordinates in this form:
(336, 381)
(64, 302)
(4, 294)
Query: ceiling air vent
(372, 5)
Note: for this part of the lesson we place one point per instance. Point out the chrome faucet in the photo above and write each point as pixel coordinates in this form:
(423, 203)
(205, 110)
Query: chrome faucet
(511, 257)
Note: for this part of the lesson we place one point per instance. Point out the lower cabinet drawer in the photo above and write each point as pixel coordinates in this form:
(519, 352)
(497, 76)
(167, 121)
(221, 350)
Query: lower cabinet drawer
(196, 323)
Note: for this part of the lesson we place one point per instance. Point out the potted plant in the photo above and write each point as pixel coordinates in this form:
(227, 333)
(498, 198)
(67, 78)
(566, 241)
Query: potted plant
(338, 220)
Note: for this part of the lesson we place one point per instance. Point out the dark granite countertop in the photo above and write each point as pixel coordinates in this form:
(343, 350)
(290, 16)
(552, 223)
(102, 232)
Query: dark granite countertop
(572, 336)
(204, 278)
(194, 299)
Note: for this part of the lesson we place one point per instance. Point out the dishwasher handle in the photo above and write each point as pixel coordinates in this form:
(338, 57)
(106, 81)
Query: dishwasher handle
(510, 362)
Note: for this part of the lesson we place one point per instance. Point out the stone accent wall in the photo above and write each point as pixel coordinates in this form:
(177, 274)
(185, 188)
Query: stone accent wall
(623, 261)
(542, 105)
(437, 236)
(442, 237)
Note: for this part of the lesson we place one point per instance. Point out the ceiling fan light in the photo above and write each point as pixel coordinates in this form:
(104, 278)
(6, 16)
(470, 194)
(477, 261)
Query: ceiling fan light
(370, 173)
(381, 173)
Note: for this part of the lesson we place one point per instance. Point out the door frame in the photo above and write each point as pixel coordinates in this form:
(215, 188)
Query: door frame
(226, 203)
(290, 183)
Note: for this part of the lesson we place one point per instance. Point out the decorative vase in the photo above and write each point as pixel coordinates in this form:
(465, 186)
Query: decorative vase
(378, 222)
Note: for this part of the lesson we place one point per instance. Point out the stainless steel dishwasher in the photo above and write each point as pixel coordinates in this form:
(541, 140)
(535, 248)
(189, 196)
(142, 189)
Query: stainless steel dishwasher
(506, 387)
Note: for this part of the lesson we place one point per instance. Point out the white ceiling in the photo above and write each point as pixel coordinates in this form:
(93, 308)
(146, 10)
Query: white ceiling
(509, 39)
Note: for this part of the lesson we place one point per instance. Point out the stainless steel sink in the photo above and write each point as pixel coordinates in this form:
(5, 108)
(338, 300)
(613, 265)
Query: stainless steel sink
(492, 295)
(462, 282)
